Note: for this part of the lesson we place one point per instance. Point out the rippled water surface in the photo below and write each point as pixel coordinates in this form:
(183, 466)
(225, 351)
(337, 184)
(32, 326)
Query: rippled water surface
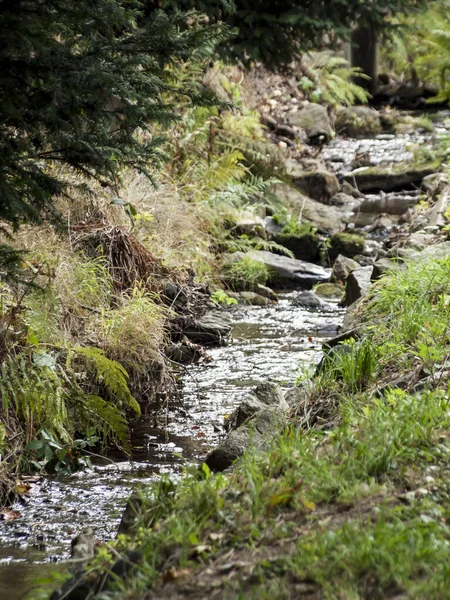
(267, 343)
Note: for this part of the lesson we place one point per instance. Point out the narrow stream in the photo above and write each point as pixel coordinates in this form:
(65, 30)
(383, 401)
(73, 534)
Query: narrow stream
(272, 342)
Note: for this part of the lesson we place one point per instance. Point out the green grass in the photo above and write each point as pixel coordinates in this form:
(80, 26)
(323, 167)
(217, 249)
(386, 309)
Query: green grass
(360, 509)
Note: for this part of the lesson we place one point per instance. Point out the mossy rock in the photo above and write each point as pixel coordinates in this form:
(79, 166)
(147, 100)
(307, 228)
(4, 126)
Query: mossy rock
(358, 121)
(347, 244)
(330, 291)
(304, 246)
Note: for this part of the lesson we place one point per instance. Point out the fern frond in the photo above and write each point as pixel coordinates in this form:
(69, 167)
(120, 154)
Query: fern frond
(111, 374)
(112, 421)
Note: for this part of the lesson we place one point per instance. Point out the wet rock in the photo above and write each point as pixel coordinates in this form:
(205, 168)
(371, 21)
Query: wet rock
(347, 244)
(330, 291)
(315, 121)
(358, 284)
(308, 299)
(392, 204)
(264, 395)
(392, 177)
(82, 548)
(184, 352)
(212, 328)
(250, 298)
(327, 219)
(265, 291)
(313, 178)
(254, 432)
(358, 121)
(259, 416)
(373, 248)
(272, 226)
(289, 272)
(304, 246)
(343, 265)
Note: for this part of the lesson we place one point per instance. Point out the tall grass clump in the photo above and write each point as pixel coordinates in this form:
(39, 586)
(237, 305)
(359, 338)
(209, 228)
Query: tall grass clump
(133, 331)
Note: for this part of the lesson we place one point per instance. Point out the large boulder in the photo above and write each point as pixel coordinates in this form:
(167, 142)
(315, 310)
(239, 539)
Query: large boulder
(358, 121)
(313, 178)
(358, 284)
(212, 328)
(392, 177)
(327, 219)
(315, 121)
(291, 272)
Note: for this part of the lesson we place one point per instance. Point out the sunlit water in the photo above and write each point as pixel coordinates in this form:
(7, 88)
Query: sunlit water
(274, 342)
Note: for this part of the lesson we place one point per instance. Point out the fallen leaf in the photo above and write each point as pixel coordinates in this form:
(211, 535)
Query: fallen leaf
(9, 514)
(22, 488)
(176, 574)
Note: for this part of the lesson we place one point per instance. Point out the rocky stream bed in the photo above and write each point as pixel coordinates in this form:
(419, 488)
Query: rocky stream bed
(267, 342)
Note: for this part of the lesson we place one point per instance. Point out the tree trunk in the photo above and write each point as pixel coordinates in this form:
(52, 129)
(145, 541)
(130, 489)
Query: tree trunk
(364, 54)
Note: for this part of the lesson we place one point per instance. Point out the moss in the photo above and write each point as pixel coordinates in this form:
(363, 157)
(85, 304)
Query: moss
(305, 246)
(347, 244)
(330, 291)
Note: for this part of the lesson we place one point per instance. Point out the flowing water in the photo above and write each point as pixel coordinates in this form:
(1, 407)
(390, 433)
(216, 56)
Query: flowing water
(273, 342)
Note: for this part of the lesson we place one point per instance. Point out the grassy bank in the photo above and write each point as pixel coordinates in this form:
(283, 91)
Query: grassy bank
(355, 506)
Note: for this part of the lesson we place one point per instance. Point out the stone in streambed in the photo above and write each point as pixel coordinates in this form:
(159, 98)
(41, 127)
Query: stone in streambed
(289, 272)
(326, 219)
(250, 298)
(342, 267)
(255, 432)
(392, 177)
(347, 244)
(315, 121)
(330, 291)
(358, 121)
(308, 299)
(259, 416)
(304, 246)
(212, 328)
(313, 178)
(358, 284)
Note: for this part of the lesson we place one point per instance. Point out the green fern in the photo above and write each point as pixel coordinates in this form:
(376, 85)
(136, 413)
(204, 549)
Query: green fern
(246, 244)
(111, 421)
(331, 79)
(108, 372)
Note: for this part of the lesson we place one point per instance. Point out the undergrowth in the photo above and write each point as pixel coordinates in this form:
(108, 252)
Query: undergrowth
(355, 509)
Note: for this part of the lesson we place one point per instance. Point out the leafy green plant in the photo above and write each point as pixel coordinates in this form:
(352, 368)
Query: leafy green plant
(221, 297)
(246, 273)
(47, 454)
(330, 79)
(354, 362)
